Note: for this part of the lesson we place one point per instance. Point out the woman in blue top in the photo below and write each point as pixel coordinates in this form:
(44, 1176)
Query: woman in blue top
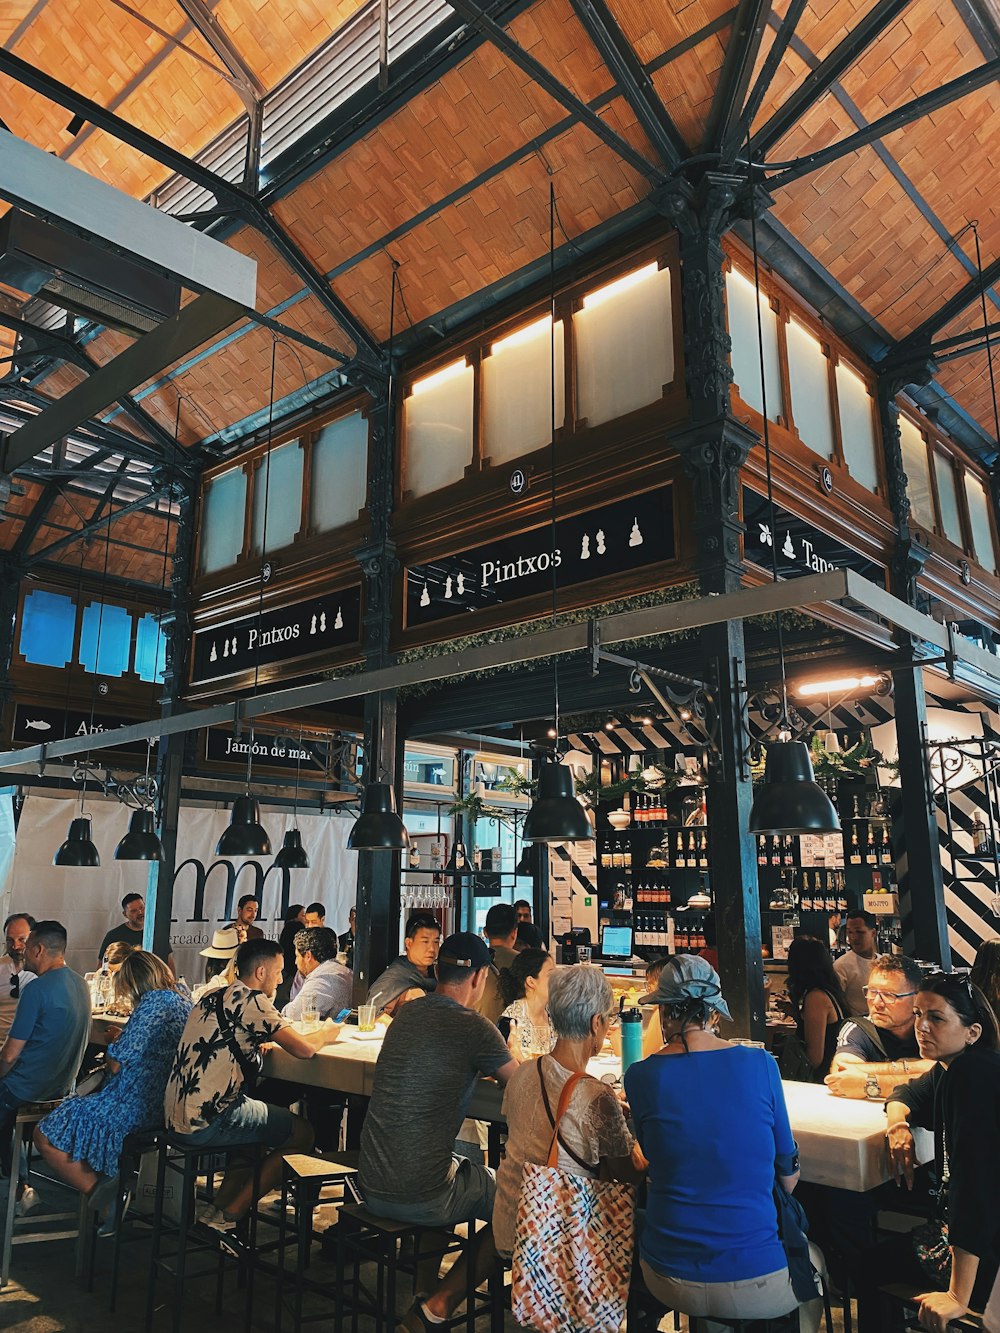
(711, 1120)
(82, 1138)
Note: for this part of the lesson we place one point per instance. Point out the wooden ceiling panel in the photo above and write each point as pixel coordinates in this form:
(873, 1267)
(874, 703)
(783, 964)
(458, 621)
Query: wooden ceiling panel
(10, 530)
(182, 102)
(655, 28)
(687, 85)
(458, 128)
(927, 45)
(276, 280)
(859, 222)
(552, 33)
(12, 15)
(303, 25)
(494, 231)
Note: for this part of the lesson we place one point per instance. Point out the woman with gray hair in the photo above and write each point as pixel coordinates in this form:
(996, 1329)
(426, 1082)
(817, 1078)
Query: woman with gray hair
(593, 1138)
(711, 1120)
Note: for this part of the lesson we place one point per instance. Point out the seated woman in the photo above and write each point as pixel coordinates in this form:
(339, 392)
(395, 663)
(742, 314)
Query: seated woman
(711, 1120)
(986, 973)
(959, 1099)
(524, 989)
(115, 954)
(593, 1140)
(82, 1138)
(818, 1006)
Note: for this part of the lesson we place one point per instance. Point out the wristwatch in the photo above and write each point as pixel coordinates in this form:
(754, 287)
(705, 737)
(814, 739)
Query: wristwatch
(873, 1089)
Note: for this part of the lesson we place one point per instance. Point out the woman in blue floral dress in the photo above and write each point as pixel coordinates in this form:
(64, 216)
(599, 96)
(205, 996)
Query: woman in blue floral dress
(82, 1138)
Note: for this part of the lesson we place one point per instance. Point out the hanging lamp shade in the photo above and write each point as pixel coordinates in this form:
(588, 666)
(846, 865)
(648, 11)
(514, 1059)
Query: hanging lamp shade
(244, 836)
(378, 827)
(291, 854)
(556, 815)
(78, 849)
(140, 843)
(789, 800)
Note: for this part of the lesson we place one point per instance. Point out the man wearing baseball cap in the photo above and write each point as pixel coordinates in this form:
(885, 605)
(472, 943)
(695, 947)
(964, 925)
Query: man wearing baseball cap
(433, 1053)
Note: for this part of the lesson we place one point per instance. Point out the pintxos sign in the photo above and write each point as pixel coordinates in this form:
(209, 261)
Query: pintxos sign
(283, 635)
(613, 539)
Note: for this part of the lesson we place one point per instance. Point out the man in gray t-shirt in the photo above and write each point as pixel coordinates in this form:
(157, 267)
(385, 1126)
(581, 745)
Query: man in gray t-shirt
(432, 1055)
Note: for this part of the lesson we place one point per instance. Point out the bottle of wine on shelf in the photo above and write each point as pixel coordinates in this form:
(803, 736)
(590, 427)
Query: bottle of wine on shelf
(855, 857)
(762, 849)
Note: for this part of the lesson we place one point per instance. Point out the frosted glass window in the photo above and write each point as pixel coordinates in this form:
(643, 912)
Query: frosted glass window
(222, 520)
(857, 426)
(624, 345)
(918, 474)
(438, 416)
(339, 473)
(951, 521)
(809, 382)
(150, 649)
(105, 639)
(745, 356)
(517, 391)
(980, 521)
(48, 623)
(277, 484)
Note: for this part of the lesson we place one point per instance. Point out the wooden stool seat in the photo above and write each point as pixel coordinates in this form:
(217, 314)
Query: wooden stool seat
(34, 1230)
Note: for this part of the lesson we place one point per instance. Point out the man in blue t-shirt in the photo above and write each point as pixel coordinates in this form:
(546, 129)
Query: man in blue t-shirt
(43, 1051)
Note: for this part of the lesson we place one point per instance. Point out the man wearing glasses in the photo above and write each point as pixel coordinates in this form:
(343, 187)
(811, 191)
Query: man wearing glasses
(13, 977)
(878, 1053)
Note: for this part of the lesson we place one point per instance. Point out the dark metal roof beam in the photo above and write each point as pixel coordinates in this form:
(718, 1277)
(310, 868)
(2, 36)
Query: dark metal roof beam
(738, 132)
(556, 90)
(43, 505)
(631, 77)
(93, 525)
(826, 73)
(888, 124)
(242, 77)
(734, 78)
(908, 347)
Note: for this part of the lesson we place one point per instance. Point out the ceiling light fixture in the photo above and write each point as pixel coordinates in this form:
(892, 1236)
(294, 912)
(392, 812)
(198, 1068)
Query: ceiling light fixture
(291, 854)
(837, 685)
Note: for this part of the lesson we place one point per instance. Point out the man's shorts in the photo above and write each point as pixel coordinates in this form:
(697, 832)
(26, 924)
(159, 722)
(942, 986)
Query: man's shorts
(246, 1121)
(469, 1194)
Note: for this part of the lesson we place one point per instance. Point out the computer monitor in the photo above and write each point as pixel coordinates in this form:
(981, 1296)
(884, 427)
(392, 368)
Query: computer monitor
(616, 942)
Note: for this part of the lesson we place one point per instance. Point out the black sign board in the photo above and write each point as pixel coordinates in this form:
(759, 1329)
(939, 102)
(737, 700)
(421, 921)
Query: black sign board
(801, 548)
(283, 635)
(35, 725)
(613, 539)
(284, 753)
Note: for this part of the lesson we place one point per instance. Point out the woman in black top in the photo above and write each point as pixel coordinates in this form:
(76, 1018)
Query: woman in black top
(959, 1099)
(295, 920)
(817, 1000)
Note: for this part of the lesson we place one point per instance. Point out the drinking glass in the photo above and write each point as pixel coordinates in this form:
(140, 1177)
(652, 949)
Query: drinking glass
(366, 1017)
(310, 1018)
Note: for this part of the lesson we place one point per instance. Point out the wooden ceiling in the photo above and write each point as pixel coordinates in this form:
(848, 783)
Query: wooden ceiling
(446, 173)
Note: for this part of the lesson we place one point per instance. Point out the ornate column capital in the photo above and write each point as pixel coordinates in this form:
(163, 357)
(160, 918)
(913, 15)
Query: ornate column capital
(713, 454)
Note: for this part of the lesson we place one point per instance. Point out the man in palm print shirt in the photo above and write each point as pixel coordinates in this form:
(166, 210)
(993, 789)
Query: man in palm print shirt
(206, 1104)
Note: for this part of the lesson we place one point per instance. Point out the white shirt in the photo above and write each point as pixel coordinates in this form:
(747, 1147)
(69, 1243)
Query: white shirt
(8, 1002)
(854, 972)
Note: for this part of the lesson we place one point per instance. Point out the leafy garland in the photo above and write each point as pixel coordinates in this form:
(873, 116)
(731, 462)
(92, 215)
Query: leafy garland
(853, 765)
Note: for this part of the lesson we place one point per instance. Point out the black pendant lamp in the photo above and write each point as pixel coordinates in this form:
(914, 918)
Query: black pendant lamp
(245, 836)
(78, 850)
(556, 815)
(378, 827)
(790, 800)
(140, 843)
(292, 855)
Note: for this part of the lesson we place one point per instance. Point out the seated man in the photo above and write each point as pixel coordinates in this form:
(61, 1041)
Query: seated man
(346, 941)
(246, 914)
(206, 1104)
(877, 1053)
(433, 1053)
(326, 985)
(49, 1033)
(13, 974)
(501, 931)
(412, 973)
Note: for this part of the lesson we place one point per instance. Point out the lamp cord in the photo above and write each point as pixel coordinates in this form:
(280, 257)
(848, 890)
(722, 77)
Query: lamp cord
(552, 443)
(986, 335)
(767, 435)
(263, 548)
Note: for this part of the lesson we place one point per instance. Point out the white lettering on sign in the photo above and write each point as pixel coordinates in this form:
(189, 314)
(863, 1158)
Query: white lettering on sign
(493, 572)
(805, 556)
(280, 634)
(277, 749)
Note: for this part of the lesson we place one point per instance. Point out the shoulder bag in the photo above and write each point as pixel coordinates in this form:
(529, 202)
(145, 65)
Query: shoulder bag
(573, 1242)
(250, 1065)
(794, 1064)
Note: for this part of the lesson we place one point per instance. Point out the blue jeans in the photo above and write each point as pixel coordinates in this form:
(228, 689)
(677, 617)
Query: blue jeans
(8, 1114)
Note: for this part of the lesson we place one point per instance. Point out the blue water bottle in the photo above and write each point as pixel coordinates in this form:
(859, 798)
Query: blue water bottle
(631, 1038)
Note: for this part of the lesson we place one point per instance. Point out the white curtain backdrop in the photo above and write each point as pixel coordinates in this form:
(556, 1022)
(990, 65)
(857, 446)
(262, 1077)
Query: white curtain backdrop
(88, 902)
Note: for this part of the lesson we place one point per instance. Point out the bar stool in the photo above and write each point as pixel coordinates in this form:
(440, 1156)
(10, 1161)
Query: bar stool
(29, 1230)
(303, 1179)
(180, 1158)
(133, 1149)
(899, 1294)
(396, 1248)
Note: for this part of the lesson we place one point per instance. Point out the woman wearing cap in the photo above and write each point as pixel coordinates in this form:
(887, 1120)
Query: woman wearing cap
(220, 962)
(710, 1118)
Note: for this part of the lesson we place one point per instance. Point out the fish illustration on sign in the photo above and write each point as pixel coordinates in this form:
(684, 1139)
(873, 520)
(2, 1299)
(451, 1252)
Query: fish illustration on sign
(37, 725)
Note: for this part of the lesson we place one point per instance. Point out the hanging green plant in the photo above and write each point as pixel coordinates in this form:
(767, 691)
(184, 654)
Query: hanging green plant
(658, 778)
(852, 765)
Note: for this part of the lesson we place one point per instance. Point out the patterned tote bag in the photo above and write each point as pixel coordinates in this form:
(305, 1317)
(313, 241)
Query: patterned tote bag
(573, 1244)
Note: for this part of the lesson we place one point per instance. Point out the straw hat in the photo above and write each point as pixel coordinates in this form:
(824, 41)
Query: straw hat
(224, 944)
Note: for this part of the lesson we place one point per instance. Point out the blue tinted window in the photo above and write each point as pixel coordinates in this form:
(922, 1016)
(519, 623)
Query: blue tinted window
(222, 520)
(115, 626)
(47, 625)
(150, 649)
